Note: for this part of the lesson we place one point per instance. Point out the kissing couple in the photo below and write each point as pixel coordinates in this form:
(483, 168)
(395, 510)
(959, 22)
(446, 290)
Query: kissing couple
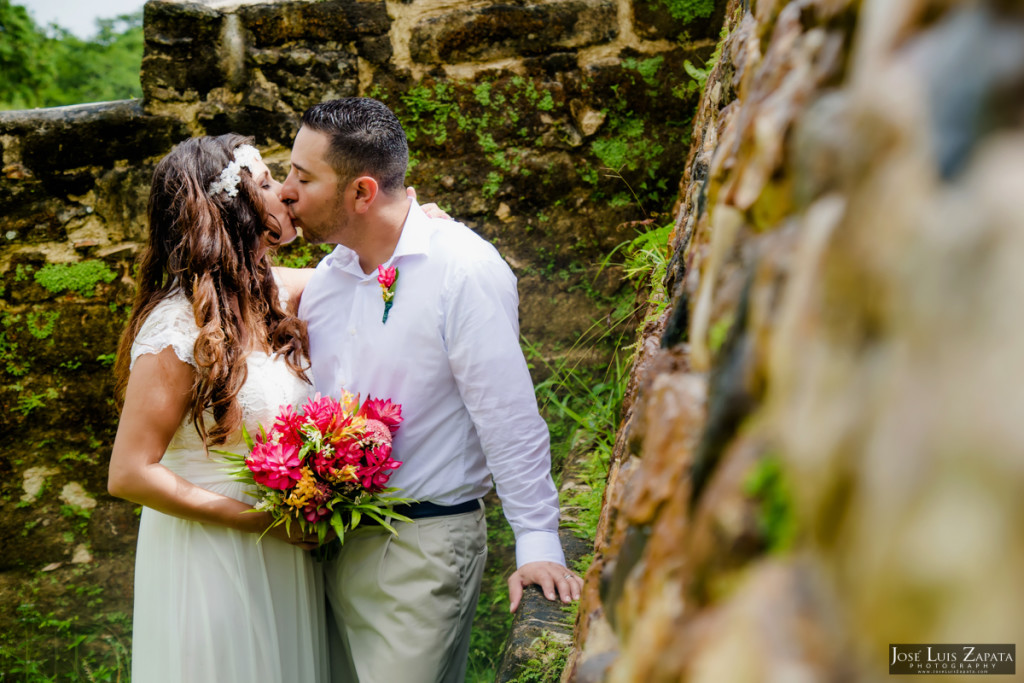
(219, 338)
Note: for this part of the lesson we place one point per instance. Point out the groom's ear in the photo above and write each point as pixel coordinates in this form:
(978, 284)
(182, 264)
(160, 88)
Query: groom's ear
(365, 192)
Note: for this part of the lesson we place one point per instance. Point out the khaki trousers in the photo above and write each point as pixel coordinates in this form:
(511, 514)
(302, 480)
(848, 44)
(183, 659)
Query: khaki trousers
(400, 608)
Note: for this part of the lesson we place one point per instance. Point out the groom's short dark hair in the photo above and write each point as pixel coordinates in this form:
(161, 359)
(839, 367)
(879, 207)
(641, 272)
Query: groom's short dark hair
(366, 138)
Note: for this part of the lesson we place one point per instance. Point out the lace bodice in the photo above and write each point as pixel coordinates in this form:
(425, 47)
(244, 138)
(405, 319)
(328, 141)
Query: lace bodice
(269, 386)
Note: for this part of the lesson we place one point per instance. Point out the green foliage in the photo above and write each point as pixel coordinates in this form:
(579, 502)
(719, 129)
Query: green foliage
(12, 362)
(44, 645)
(626, 151)
(491, 184)
(546, 664)
(698, 76)
(301, 254)
(51, 67)
(647, 68)
(81, 277)
(767, 484)
(492, 621)
(583, 413)
(482, 93)
(31, 401)
(24, 61)
(688, 10)
(41, 324)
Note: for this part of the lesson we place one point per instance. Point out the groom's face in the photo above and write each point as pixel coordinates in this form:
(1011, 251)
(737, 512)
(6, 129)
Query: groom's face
(311, 190)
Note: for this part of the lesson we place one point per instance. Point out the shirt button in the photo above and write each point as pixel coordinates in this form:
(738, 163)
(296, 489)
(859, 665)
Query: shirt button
(352, 331)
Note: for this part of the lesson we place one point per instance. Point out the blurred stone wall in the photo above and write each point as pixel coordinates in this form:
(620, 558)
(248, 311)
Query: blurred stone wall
(555, 128)
(823, 452)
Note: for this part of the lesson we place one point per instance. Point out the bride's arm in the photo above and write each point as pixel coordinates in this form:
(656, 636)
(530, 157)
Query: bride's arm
(156, 401)
(294, 280)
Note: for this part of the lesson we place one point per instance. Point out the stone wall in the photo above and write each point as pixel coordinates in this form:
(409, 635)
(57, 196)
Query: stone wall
(555, 128)
(822, 451)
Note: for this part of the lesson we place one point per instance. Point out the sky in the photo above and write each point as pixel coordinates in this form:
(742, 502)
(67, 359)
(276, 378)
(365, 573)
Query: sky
(78, 16)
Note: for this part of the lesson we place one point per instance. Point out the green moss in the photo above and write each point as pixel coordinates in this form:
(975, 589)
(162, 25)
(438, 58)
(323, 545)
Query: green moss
(40, 324)
(491, 184)
(719, 332)
(482, 93)
(647, 68)
(768, 486)
(80, 278)
(613, 153)
(546, 103)
(688, 10)
(548, 660)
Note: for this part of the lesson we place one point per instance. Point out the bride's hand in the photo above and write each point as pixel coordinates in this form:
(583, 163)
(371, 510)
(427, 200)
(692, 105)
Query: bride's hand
(295, 536)
(432, 210)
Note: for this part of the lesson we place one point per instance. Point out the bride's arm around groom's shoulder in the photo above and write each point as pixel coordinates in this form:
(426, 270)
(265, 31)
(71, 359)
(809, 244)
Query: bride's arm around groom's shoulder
(294, 281)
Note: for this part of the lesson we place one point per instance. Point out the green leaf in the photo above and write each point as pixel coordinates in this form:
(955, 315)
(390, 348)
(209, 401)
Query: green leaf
(381, 521)
(338, 524)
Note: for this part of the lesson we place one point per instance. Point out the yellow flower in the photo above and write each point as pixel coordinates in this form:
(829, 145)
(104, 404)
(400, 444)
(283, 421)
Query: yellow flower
(304, 490)
(346, 473)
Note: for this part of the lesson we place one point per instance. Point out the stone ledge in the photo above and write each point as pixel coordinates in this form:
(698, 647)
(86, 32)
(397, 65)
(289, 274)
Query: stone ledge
(537, 616)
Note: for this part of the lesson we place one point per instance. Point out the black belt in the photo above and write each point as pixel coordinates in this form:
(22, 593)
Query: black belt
(426, 509)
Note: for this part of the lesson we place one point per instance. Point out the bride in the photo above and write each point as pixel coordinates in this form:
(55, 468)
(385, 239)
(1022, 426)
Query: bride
(210, 346)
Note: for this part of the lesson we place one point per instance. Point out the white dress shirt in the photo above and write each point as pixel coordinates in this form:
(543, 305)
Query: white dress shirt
(449, 354)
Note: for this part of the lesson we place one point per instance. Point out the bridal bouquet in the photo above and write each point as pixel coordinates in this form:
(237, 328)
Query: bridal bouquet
(326, 466)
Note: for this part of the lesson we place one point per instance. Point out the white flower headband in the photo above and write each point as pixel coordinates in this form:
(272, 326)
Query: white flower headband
(246, 156)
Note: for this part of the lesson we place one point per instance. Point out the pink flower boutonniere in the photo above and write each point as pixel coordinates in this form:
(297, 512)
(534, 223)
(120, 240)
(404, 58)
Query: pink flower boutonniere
(388, 278)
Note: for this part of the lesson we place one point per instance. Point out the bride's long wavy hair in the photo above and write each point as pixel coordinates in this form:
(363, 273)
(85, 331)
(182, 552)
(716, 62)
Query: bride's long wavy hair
(214, 249)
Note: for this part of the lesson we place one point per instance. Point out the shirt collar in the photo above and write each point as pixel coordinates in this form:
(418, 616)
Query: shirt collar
(415, 239)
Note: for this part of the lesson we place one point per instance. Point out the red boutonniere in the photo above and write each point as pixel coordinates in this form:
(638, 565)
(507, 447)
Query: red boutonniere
(388, 279)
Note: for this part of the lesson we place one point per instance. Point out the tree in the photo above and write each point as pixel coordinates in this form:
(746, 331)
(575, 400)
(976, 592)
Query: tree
(52, 68)
(25, 63)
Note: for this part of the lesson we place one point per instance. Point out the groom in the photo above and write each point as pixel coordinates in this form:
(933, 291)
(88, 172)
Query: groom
(446, 349)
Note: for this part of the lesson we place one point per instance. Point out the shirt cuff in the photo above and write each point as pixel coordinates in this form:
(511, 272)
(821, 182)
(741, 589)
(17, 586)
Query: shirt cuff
(539, 546)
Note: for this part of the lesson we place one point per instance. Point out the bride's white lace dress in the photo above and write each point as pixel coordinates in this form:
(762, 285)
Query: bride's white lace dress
(212, 604)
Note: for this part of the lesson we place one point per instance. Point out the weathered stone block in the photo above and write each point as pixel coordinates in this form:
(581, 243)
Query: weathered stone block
(181, 52)
(303, 73)
(507, 30)
(94, 135)
(330, 20)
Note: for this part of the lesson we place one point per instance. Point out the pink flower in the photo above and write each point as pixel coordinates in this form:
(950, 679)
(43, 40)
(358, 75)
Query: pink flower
(325, 413)
(377, 434)
(384, 411)
(349, 452)
(287, 426)
(275, 465)
(375, 474)
(324, 462)
(386, 276)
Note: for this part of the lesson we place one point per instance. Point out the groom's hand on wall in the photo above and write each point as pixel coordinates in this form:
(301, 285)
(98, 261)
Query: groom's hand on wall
(550, 576)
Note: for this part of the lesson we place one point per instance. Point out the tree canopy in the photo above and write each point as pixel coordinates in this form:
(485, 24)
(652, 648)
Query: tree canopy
(49, 67)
